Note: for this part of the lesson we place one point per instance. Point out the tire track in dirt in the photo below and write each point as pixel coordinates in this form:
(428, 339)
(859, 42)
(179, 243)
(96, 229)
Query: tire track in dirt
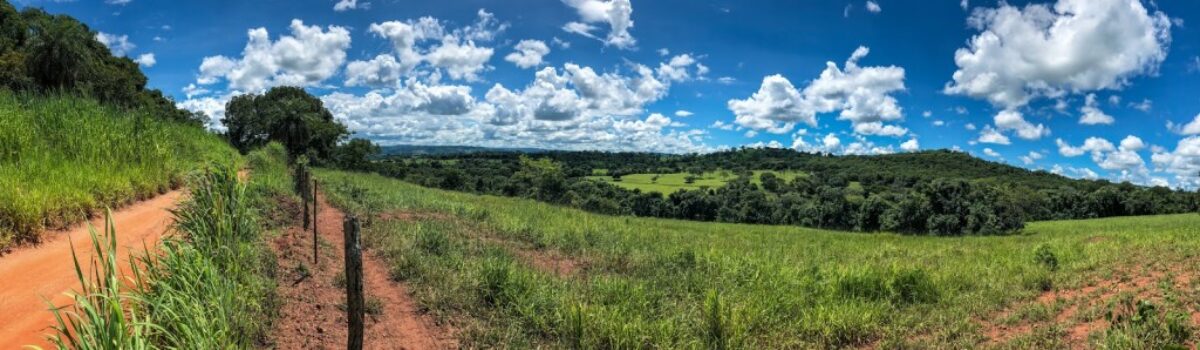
(312, 314)
(34, 274)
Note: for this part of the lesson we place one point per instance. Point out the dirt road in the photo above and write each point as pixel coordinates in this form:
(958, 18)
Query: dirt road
(32, 275)
(312, 316)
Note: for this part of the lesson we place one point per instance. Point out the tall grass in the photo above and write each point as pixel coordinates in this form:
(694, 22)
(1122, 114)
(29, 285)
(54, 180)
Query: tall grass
(209, 286)
(98, 318)
(63, 159)
(653, 283)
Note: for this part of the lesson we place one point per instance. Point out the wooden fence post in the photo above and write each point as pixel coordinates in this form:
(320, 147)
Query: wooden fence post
(304, 199)
(354, 287)
(314, 220)
(303, 189)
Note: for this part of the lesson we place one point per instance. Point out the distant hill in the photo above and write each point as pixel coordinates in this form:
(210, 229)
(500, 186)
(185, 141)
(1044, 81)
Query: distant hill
(941, 191)
(420, 150)
(906, 167)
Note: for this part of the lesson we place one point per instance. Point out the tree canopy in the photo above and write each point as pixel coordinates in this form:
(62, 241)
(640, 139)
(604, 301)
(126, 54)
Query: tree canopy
(355, 154)
(41, 53)
(288, 115)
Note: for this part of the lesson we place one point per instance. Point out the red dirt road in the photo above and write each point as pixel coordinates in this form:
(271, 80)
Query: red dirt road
(31, 275)
(311, 314)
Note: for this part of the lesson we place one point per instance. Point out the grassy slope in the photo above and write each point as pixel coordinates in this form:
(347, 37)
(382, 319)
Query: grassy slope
(671, 284)
(63, 159)
(670, 183)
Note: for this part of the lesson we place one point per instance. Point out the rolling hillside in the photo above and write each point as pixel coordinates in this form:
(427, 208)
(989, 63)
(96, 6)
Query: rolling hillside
(520, 273)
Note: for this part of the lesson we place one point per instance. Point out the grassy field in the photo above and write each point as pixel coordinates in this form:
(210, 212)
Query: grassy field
(670, 183)
(518, 273)
(63, 159)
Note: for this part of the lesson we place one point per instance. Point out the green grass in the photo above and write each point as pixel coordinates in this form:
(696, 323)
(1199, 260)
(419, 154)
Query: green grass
(653, 283)
(671, 183)
(209, 287)
(96, 319)
(63, 159)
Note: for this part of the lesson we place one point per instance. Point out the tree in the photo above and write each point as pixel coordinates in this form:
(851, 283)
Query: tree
(355, 155)
(58, 54)
(909, 215)
(288, 115)
(693, 205)
(13, 72)
(1105, 202)
(544, 176)
(871, 213)
(12, 28)
(770, 182)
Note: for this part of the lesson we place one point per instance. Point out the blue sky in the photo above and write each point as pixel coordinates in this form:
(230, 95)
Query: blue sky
(1085, 88)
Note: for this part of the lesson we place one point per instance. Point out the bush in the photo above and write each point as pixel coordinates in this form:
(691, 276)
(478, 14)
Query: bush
(1044, 256)
(911, 286)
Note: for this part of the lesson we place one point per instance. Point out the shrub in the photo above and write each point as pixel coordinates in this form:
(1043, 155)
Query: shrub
(1044, 256)
(910, 286)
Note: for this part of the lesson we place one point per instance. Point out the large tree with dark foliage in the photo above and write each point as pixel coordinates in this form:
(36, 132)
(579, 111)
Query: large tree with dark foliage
(288, 115)
(45, 53)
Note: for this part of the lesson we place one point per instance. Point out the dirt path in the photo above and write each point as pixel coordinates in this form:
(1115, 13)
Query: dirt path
(30, 276)
(312, 314)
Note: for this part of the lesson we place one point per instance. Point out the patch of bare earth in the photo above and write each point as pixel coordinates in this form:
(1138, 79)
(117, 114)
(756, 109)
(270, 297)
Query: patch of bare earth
(1067, 305)
(312, 314)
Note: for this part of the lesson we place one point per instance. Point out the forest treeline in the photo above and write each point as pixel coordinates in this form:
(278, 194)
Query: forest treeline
(932, 192)
(45, 53)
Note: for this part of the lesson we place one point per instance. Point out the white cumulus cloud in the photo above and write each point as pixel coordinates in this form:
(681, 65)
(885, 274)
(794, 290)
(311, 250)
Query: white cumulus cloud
(873, 7)
(346, 5)
(528, 53)
(119, 45)
(616, 13)
(1092, 115)
(307, 57)
(863, 95)
(1073, 46)
(146, 60)
(381, 71)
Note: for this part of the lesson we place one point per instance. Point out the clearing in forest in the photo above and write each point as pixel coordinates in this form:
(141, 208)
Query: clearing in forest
(673, 182)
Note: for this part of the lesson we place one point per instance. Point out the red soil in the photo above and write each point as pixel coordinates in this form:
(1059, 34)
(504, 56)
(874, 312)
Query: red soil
(32, 275)
(312, 315)
(1141, 282)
